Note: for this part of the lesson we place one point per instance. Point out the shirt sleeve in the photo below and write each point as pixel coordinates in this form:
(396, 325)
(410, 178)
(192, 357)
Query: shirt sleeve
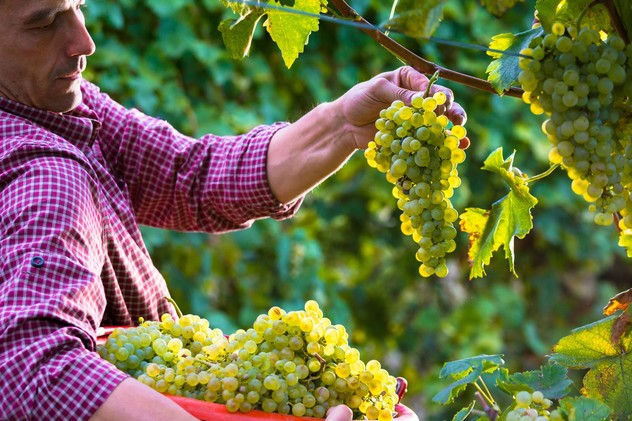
(51, 298)
(212, 184)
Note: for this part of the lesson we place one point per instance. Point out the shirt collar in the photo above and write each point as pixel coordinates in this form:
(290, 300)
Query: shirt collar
(79, 126)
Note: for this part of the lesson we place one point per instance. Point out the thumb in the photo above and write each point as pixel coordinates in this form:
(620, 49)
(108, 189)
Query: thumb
(339, 413)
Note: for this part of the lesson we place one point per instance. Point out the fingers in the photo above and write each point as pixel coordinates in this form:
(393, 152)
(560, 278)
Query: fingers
(403, 412)
(339, 413)
(409, 82)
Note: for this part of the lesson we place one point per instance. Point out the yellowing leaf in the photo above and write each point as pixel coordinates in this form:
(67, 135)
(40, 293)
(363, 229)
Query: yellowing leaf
(291, 30)
(610, 376)
(621, 301)
(509, 217)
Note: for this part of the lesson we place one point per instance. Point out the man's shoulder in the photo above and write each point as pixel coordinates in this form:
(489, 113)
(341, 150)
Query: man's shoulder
(22, 141)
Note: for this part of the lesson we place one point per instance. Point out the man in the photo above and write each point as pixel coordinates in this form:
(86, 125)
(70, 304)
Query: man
(78, 173)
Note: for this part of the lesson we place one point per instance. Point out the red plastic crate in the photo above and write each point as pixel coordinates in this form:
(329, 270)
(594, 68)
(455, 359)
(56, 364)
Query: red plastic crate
(207, 411)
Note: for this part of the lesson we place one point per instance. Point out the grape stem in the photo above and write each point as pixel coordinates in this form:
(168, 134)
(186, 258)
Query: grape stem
(201, 361)
(542, 175)
(431, 82)
(175, 305)
(323, 365)
(490, 410)
(413, 60)
(484, 396)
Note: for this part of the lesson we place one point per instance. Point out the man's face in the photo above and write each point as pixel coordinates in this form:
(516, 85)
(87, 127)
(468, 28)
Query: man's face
(43, 50)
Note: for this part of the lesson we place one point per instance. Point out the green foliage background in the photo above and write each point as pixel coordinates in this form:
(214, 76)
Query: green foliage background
(344, 248)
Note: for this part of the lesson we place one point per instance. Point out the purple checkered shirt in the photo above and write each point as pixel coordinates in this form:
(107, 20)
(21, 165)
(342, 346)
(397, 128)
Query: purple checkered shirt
(73, 189)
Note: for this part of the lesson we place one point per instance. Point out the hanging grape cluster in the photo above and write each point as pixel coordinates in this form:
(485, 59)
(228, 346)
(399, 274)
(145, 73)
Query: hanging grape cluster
(532, 406)
(583, 82)
(420, 157)
(296, 363)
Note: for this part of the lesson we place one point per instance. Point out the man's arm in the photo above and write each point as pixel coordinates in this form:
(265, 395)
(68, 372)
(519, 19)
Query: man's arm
(132, 400)
(306, 152)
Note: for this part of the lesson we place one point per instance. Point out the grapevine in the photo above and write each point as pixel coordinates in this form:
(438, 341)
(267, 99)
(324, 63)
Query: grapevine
(419, 155)
(576, 71)
(294, 362)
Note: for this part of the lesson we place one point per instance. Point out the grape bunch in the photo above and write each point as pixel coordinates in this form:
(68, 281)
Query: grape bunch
(532, 406)
(583, 83)
(419, 155)
(295, 363)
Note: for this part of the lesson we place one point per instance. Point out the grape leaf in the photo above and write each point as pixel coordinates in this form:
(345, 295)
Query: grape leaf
(498, 7)
(417, 19)
(551, 380)
(238, 7)
(625, 241)
(621, 326)
(464, 413)
(581, 408)
(610, 364)
(465, 371)
(567, 11)
(288, 3)
(621, 301)
(290, 30)
(509, 217)
(237, 34)
(503, 71)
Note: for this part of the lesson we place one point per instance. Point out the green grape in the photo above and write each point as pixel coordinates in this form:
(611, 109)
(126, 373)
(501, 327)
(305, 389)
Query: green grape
(583, 84)
(266, 367)
(424, 176)
(523, 399)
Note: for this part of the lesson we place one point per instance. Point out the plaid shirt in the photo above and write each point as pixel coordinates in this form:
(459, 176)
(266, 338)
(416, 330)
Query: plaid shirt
(73, 189)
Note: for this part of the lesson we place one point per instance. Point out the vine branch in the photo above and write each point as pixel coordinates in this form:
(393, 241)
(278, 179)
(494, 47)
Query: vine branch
(413, 60)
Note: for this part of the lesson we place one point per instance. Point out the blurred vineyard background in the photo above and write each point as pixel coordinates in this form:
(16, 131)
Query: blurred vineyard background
(344, 248)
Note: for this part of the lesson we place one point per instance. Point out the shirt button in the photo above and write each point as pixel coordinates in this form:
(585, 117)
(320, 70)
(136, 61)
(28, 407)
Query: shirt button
(37, 261)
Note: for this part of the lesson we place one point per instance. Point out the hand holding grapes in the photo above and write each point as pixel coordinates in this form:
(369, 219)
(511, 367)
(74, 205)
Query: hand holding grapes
(361, 105)
(344, 413)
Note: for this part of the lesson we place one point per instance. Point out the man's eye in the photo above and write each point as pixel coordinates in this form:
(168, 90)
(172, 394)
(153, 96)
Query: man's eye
(47, 25)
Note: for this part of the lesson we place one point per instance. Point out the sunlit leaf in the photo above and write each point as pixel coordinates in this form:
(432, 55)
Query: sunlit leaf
(503, 71)
(509, 217)
(291, 31)
(625, 241)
